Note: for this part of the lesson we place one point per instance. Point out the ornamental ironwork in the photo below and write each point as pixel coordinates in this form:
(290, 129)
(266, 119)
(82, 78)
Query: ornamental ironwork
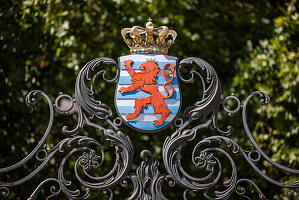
(147, 99)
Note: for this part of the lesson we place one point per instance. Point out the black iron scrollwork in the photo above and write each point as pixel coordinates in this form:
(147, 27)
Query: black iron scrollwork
(211, 88)
(147, 181)
(84, 95)
(72, 144)
(204, 157)
(147, 172)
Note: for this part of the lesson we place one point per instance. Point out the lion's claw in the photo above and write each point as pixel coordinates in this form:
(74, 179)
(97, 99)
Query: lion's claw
(158, 123)
(122, 90)
(130, 116)
(128, 62)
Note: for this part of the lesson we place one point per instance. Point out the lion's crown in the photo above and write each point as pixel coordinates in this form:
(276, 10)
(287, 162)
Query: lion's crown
(148, 40)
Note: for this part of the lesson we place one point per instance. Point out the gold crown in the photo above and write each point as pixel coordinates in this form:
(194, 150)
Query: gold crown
(148, 40)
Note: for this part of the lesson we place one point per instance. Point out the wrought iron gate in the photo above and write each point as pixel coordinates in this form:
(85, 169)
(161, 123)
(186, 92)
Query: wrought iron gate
(147, 179)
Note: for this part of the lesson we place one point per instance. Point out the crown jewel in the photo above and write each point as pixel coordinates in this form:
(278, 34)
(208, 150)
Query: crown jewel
(148, 40)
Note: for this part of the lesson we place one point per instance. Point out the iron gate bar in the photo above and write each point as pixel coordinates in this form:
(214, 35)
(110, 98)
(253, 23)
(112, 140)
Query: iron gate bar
(148, 172)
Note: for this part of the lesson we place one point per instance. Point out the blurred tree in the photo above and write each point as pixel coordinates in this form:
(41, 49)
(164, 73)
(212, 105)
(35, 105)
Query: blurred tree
(273, 67)
(45, 43)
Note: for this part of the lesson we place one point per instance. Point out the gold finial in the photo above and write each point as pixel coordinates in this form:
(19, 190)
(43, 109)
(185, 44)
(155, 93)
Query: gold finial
(156, 40)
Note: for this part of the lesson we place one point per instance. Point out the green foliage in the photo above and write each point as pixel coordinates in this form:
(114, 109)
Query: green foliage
(273, 67)
(252, 45)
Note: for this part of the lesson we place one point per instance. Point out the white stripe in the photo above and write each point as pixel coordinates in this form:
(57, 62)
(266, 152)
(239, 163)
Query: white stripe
(141, 57)
(160, 87)
(126, 73)
(129, 102)
(149, 117)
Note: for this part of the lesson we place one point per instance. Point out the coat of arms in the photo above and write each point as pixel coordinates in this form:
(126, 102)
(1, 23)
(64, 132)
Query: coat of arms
(148, 94)
(147, 98)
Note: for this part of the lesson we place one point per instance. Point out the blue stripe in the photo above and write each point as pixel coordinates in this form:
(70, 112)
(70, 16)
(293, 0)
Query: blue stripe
(146, 110)
(126, 80)
(138, 94)
(138, 63)
(146, 125)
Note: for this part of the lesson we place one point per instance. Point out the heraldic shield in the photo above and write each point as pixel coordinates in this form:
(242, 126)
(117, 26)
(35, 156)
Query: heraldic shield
(148, 95)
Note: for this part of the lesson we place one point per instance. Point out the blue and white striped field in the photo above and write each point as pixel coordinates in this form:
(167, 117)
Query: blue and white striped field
(125, 102)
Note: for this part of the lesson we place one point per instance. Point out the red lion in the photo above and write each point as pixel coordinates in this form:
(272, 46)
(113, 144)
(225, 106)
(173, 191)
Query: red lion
(145, 81)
